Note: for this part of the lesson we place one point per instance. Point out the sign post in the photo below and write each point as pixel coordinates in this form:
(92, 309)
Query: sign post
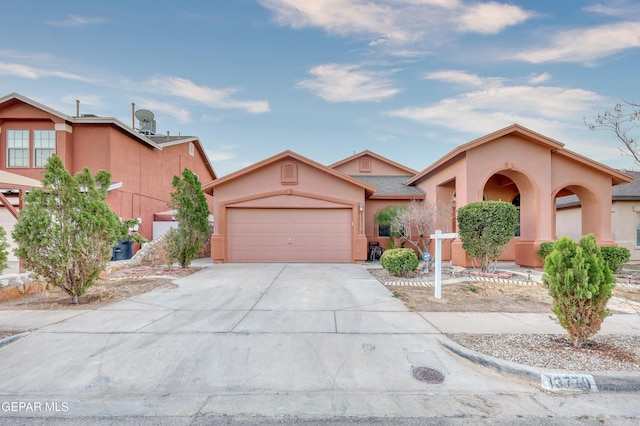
(439, 236)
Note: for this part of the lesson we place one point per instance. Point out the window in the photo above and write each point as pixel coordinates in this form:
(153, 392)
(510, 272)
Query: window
(17, 148)
(44, 142)
(516, 203)
(637, 229)
(384, 230)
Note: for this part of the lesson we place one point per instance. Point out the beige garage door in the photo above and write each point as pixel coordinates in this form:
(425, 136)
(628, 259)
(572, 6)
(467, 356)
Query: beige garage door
(289, 235)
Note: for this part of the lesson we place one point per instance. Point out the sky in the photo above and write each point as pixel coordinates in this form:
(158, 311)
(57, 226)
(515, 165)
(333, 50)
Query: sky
(407, 79)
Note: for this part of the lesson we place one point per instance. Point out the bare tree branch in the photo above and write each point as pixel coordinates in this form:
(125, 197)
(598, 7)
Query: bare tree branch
(623, 121)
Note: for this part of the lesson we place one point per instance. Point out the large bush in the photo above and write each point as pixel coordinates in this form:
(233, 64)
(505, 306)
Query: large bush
(485, 228)
(192, 212)
(67, 231)
(580, 283)
(399, 261)
(615, 257)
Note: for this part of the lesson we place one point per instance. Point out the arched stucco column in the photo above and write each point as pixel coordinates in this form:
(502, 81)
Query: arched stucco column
(535, 215)
(596, 206)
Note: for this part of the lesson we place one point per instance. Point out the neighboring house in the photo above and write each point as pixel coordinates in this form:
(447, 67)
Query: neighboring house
(625, 216)
(142, 164)
(289, 208)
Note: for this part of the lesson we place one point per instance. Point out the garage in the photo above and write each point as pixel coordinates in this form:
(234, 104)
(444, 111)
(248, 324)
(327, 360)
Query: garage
(289, 235)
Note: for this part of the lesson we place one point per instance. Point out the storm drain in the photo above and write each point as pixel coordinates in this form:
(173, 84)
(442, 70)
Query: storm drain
(428, 375)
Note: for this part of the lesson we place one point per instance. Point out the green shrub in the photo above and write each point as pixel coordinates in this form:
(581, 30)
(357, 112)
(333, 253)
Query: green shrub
(4, 250)
(485, 229)
(580, 283)
(615, 257)
(399, 261)
(545, 249)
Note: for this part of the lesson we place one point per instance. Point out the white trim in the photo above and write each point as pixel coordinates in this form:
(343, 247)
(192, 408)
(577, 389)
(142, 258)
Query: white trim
(63, 127)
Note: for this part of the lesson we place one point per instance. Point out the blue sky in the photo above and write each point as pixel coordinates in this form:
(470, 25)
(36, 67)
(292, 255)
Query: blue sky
(407, 79)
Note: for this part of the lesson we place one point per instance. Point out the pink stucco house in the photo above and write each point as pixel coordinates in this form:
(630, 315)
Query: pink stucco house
(288, 208)
(142, 165)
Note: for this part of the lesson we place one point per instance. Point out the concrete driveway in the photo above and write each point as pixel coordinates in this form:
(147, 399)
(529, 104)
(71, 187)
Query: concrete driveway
(248, 339)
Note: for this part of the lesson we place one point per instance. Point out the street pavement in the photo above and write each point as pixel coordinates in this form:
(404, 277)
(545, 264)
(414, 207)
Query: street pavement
(286, 344)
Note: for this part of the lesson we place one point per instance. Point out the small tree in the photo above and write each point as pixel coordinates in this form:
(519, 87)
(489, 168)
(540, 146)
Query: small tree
(385, 217)
(580, 283)
(485, 229)
(414, 223)
(623, 121)
(4, 252)
(192, 212)
(66, 231)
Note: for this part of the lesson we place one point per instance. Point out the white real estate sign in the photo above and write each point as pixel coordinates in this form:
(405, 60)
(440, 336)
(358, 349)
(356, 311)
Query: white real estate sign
(439, 236)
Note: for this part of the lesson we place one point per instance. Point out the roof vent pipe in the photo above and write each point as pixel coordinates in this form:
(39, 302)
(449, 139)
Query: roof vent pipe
(77, 107)
(133, 115)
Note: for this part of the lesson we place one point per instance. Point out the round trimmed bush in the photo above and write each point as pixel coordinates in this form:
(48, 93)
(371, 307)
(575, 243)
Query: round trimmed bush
(399, 261)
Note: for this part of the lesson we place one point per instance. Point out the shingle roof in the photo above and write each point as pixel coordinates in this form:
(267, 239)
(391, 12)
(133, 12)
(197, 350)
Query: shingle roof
(391, 186)
(628, 191)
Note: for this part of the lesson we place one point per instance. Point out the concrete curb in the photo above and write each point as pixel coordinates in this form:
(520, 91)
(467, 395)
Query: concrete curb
(550, 380)
(11, 339)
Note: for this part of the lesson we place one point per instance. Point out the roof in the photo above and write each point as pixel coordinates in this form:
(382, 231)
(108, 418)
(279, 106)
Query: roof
(209, 187)
(10, 180)
(628, 191)
(156, 142)
(617, 176)
(87, 119)
(177, 140)
(376, 156)
(391, 187)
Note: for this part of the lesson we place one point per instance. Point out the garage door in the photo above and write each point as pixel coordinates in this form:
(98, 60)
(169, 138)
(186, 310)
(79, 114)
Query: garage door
(289, 235)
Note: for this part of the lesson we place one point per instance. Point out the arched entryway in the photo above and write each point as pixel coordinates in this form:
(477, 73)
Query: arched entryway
(577, 212)
(516, 187)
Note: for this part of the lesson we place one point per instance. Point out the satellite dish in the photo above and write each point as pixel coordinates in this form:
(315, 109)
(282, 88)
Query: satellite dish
(147, 123)
(144, 115)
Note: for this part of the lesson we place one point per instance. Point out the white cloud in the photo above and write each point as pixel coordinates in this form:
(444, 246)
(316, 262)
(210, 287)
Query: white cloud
(395, 23)
(485, 109)
(219, 156)
(539, 78)
(77, 21)
(585, 45)
(462, 78)
(491, 18)
(33, 73)
(91, 100)
(617, 8)
(214, 98)
(348, 83)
